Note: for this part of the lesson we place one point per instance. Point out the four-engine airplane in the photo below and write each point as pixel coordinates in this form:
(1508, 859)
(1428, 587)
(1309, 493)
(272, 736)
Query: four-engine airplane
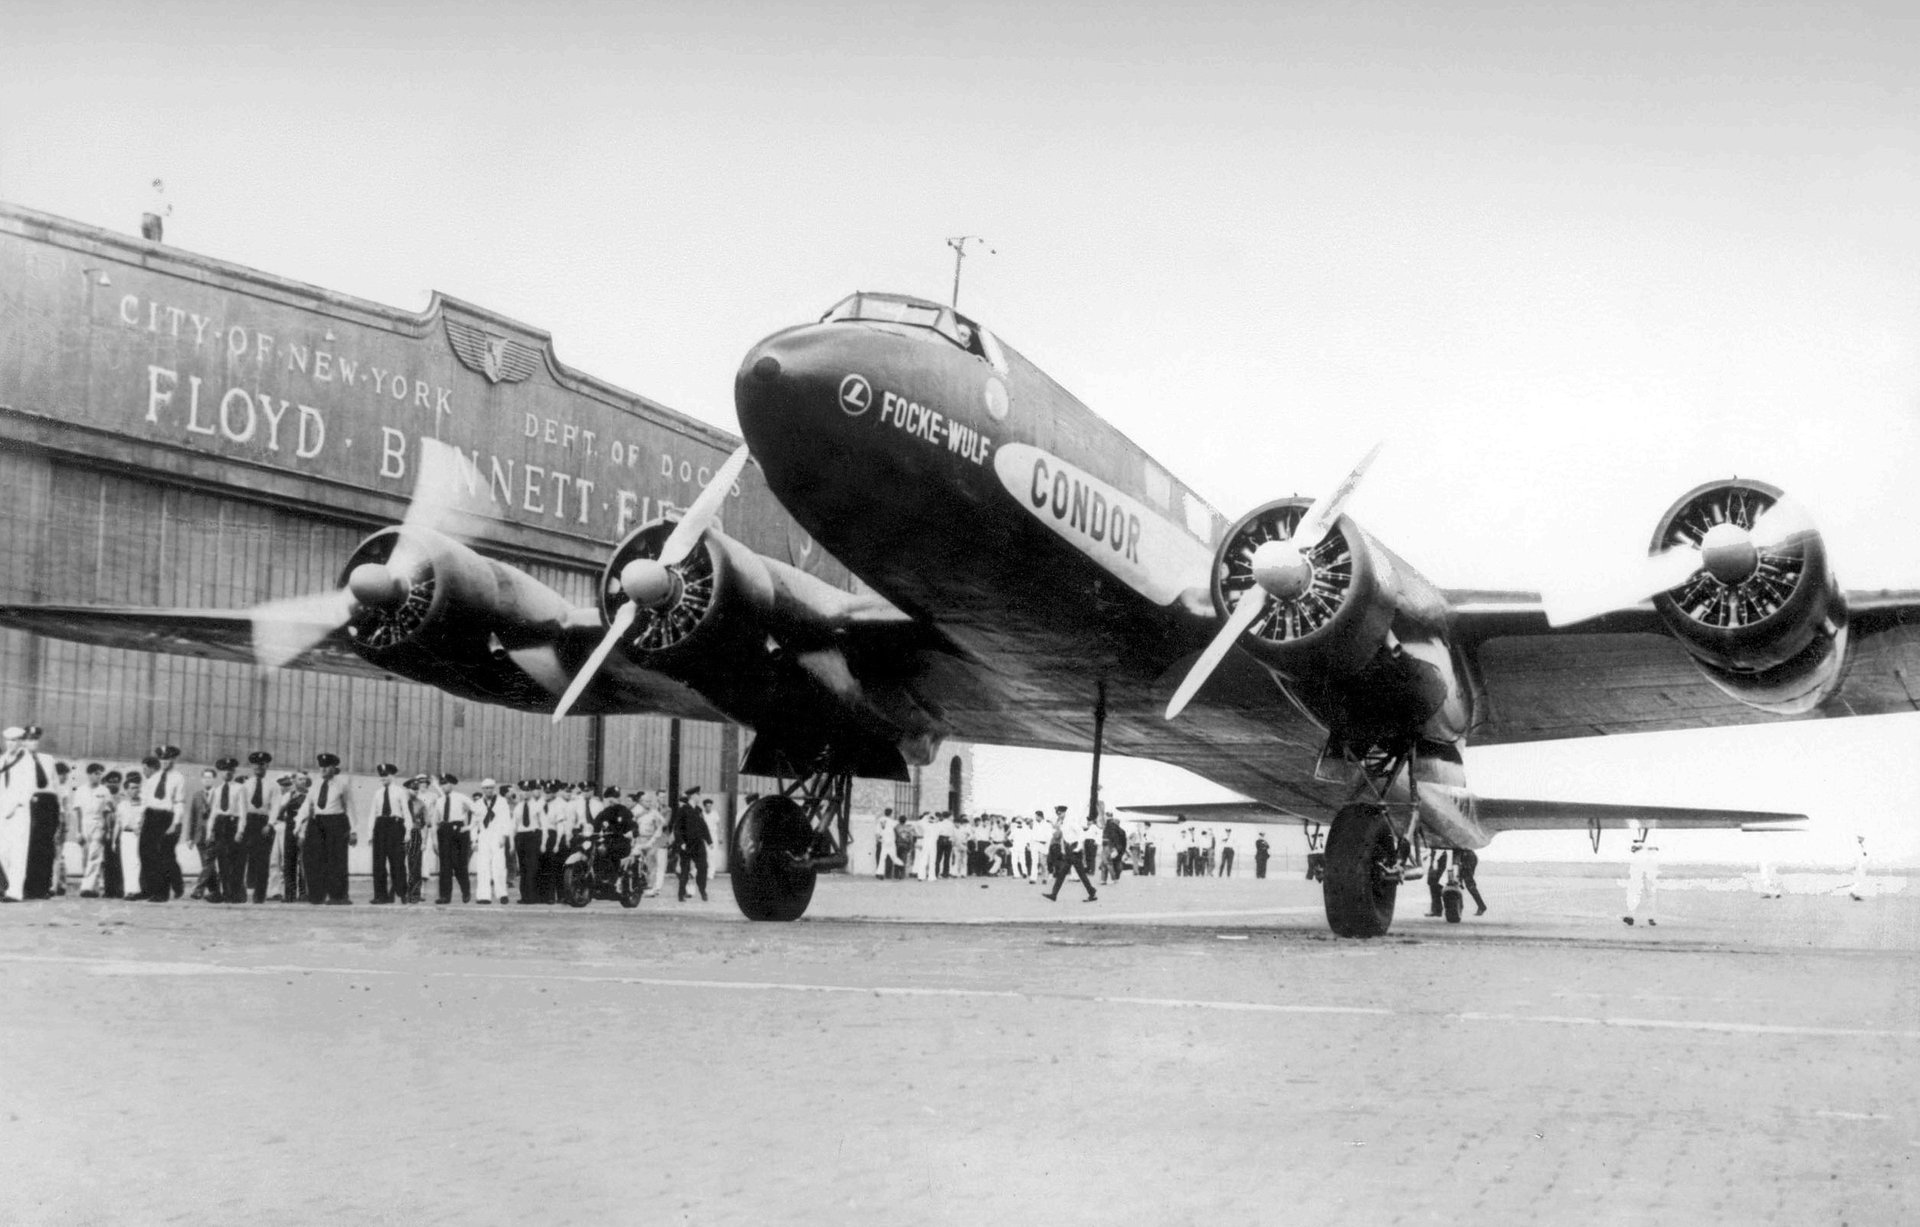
(1031, 577)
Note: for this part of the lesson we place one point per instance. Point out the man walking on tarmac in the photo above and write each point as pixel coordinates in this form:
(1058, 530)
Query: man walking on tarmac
(692, 836)
(1074, 838)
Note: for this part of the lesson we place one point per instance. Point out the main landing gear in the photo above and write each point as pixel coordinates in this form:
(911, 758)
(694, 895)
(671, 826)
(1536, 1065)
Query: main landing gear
(783, 841)
(1368, 854)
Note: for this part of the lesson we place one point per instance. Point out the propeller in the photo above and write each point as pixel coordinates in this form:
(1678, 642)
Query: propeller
(285, 629)
(1728, 551)
(655, 583)
(1282, 571)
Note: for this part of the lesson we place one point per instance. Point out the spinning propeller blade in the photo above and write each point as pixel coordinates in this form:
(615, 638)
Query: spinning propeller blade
(622, 623)
(1651, 577)
(286, 628)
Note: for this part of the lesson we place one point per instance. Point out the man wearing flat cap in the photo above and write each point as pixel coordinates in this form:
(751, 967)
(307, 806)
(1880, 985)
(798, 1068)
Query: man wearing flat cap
(529, 837)
(34, 784)
(447, 816)
(163, 811)
(257, 802)
(389, 813)
(329, 833)
(226, 808)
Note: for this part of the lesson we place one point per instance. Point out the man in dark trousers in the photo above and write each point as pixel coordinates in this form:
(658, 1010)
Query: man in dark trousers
(388, 818)
(1470, 861)
(1260, 854)
(1075, 839)
(226, 813)
(160, 825)
(692, 837)
(256, 830)
(328, 835)
(40, 781)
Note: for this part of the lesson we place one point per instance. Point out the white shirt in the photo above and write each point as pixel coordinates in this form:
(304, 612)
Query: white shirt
(164, 790)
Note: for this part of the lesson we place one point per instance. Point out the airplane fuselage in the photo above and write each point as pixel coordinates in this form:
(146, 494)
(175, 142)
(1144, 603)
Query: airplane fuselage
(975, 493)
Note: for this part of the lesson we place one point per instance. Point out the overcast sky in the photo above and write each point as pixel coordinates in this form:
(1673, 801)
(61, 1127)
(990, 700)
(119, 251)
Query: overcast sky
(1569, 261)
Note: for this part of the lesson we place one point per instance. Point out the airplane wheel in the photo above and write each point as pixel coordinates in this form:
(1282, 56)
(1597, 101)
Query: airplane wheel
(1450, 904)
(576, 885)
(1358, 887)
(766, 883)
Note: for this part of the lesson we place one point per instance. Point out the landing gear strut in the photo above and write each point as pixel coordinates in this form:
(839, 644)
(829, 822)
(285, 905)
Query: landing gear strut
(1368, 853)
(783, 841)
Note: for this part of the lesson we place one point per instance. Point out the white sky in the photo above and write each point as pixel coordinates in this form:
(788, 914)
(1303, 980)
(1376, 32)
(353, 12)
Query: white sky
(1569, 261)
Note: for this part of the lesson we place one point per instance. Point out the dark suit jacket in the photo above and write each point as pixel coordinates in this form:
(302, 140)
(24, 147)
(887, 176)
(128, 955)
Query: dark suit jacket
(690, 827)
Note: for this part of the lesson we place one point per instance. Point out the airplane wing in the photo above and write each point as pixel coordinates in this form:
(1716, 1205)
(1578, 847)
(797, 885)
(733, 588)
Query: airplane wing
(211, 634)
(1246, 813)
(1622, 673)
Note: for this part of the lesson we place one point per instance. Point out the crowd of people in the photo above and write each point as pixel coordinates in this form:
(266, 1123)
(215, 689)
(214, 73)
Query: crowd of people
(945, 845)
(284, 837)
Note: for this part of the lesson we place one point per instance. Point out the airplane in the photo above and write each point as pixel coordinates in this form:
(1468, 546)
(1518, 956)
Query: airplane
(1031, 577)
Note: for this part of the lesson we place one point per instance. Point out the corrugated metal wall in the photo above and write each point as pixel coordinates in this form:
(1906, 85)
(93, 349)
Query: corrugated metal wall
(79, 534)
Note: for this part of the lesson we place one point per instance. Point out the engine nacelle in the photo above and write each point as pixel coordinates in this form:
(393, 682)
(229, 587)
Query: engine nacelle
(1763, 618)
(450, 616)
(1338, 624)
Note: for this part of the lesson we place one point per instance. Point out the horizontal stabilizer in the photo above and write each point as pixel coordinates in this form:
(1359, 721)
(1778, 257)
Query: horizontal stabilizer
(1250, 813)
(1503, 814)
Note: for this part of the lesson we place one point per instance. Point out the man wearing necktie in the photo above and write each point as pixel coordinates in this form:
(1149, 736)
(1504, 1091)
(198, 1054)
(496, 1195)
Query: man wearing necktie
(492, 826)
(529, 836)
(452, 841)
(288, 830)
(226, 804)
(329, 833)
(160, 828)
(387, 820)
(258, 800)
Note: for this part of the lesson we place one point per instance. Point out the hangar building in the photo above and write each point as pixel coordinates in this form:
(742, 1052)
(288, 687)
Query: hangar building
(177, 431)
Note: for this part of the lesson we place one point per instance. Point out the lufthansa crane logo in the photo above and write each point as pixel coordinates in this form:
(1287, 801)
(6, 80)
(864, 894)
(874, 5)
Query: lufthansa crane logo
(856, 395)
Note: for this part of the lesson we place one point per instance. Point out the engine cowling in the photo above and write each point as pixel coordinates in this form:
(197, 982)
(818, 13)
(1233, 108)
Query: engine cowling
(1764, 620)
(1340, 619)
(438, 612)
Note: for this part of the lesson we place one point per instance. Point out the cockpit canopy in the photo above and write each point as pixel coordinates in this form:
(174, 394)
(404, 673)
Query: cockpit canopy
(917, 313)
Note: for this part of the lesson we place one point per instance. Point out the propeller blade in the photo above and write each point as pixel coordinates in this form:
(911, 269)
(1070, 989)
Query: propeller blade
(1655, 575)
(622, 622)
(285, 629)
(1252, 602)
(1320, 517)
(1781, 525)
(688, 531)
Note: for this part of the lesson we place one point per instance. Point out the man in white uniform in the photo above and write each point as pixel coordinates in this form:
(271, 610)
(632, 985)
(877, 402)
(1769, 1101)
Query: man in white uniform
(1643, 876)
(650, 840)
(1858, 890)
(15, 790)
(492, 827)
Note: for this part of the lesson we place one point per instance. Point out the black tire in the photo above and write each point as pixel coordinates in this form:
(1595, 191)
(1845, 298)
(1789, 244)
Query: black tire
(1450, 904)
(633, 884)
(1358, 890)
(767, 884)
(576, 884)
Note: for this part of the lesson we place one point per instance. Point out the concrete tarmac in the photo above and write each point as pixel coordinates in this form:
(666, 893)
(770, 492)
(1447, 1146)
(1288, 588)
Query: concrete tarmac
(1182, 1051)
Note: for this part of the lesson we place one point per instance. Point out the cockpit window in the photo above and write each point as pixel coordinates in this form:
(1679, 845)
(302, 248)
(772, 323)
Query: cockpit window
(917, 313)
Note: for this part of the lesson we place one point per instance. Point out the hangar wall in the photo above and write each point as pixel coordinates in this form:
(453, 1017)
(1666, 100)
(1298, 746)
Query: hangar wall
(177, 431)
